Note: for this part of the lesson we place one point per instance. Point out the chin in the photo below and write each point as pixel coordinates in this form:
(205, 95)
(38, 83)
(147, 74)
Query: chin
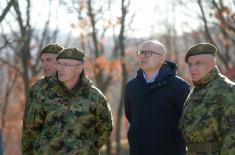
(61, 79)
(46, 75)
(144, 67)
(196, 79)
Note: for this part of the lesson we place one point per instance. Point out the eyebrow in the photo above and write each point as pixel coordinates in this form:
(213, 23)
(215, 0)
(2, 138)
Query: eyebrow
(197, 61)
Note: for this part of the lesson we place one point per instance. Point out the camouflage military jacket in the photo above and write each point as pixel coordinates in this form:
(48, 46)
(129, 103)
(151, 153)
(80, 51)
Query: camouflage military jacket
(32, 98)
(77, 121)
(209, 115)
(34, 92)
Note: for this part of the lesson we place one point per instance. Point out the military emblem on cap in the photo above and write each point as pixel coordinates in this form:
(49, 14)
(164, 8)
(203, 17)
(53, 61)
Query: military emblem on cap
(71, 53)
(201, 48)
(53, 48)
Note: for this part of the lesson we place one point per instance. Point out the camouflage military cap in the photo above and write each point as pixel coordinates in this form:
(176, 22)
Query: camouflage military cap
(71, 53)
(201, 48)
(53, 48)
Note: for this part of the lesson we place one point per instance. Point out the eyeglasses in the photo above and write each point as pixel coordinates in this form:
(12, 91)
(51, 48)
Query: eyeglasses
(59, 64)
(147, 53)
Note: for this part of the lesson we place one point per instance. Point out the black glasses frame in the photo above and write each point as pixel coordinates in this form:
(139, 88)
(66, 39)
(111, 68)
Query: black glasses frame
(147, 53)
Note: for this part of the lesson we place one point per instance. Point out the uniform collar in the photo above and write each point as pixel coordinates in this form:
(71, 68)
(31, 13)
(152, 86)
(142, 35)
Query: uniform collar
(80, 86)
(207, 78)
(47, 78)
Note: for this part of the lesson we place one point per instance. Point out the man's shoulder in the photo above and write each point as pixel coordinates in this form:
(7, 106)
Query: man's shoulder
(178, 81)
(226, 81)
(40, 82)
(94, 91)
(223, 83)
(226, 85)
(133, 81)
(219, 88)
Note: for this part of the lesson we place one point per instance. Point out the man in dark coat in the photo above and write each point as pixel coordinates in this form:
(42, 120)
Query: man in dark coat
(153, 104)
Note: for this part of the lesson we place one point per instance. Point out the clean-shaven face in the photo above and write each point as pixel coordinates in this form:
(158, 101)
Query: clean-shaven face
(69, 70)
(200, 65)
(151, 56)
(48, 62)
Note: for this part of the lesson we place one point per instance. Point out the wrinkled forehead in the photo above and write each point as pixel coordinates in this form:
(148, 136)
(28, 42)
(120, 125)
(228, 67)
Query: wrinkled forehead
(69, 61)
(201, 57)
(48, 55)
(153, 46)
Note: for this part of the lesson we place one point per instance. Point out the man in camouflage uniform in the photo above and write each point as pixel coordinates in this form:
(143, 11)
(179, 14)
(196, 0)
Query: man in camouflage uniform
(208, 119)
(73, 116)
(48, 56)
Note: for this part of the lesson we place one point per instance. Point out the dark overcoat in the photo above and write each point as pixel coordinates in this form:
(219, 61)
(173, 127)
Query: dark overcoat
(153, 111)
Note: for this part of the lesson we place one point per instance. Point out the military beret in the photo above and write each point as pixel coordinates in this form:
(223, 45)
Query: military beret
(71, 53)
(201, 48)
(52, 48)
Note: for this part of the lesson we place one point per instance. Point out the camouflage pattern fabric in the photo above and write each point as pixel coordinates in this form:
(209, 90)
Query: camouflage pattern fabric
(34, 93)
(209, 115)
(77, 121)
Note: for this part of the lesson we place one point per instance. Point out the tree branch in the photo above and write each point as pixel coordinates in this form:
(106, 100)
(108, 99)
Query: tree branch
(5, 11)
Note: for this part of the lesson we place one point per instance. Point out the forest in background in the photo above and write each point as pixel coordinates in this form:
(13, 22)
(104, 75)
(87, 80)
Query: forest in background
(110, 40)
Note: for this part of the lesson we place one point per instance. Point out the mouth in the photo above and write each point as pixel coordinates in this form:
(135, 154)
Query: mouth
(46, 70)
(60, 74)
(143, 62)
(195, 74)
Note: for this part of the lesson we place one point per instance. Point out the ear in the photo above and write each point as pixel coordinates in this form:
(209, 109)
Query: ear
(214, 61)
(79, 69)
(163, 58)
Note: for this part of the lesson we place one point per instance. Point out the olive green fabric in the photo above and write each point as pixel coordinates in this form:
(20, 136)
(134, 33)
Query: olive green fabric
(34, 93)
(71, 53)
(62, 121)
(209, 115)
(201, 48)
(53, 48)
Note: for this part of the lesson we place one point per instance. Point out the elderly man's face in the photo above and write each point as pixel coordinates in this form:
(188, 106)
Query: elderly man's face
(200, 65)
(150, 57)
(48, 62)
(69, 70)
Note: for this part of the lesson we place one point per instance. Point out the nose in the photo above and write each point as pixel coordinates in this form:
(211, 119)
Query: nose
(45, 63)
(192, 68)
(60, 68)
(142, 56)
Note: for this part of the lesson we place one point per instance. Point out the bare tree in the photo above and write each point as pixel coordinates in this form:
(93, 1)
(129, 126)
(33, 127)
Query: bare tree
(223, 17)
(12, 78)
(124, 9)
(24, 44)
(6, 10)
(17, 45)
(103, 79)
(20, 43)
